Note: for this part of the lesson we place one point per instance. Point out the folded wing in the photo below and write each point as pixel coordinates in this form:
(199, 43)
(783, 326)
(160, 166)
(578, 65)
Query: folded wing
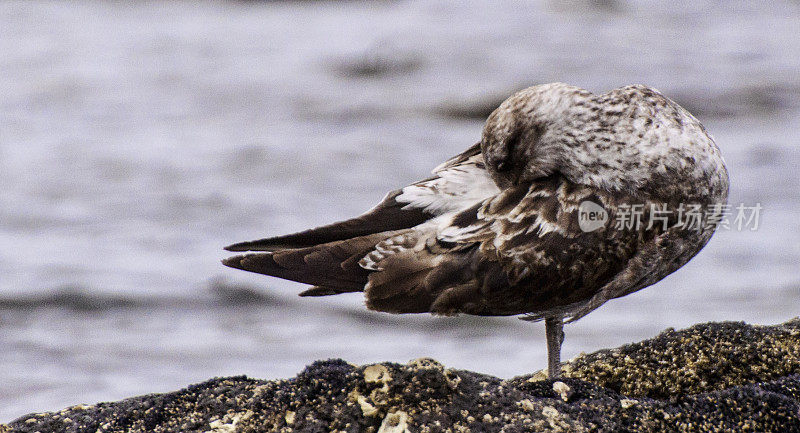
(328, 256)
(456, 184)
(519, 252)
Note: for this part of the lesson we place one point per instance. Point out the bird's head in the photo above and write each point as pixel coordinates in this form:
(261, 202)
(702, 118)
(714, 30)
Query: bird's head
(516, 141)
(630, 139)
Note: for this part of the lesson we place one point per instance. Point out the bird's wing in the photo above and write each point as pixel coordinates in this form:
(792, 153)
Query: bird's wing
(455, 185)
(521, 251)
(328, 256)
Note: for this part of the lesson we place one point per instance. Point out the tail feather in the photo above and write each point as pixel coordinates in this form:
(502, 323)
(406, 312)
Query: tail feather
(333, 266)
(264, 263)
(320, 291)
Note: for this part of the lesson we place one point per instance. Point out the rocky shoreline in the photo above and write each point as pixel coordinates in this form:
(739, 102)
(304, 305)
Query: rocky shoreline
(714, 377)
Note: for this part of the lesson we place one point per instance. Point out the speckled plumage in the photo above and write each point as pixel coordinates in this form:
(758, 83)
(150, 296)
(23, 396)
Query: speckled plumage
(495, 231)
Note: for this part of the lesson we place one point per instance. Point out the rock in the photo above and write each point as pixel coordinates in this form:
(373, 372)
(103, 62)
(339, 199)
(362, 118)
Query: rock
(395, 422)
(717, 377)
(562, 389)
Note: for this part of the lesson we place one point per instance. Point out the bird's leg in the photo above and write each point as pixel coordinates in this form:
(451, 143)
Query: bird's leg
(554, 329)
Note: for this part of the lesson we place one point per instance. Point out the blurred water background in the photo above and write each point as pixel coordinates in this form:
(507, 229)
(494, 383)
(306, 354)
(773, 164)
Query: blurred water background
(138, 138)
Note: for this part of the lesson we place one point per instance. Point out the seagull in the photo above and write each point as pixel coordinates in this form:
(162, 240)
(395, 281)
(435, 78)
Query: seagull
(569, 200)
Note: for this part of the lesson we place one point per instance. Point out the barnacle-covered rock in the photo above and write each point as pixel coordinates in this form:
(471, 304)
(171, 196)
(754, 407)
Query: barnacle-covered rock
(715, 377)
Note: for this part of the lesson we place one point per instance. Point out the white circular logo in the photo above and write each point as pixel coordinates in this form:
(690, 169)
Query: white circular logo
(591, 216)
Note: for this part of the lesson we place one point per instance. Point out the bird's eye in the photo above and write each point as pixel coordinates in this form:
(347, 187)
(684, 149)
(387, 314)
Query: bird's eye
(511, 144)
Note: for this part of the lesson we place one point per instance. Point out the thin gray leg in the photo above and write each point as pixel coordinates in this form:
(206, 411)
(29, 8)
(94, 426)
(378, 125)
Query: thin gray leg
(554, 329)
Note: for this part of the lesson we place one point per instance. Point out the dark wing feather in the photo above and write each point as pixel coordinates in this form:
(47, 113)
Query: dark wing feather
(388, 215)
(400, 209)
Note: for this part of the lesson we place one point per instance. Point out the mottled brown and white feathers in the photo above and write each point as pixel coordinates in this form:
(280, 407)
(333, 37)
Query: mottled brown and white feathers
(495, 231)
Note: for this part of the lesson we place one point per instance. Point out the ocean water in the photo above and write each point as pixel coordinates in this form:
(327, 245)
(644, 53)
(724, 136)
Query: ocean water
(139, 138)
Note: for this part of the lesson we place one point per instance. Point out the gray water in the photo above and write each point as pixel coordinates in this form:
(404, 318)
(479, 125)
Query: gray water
(138, 138)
